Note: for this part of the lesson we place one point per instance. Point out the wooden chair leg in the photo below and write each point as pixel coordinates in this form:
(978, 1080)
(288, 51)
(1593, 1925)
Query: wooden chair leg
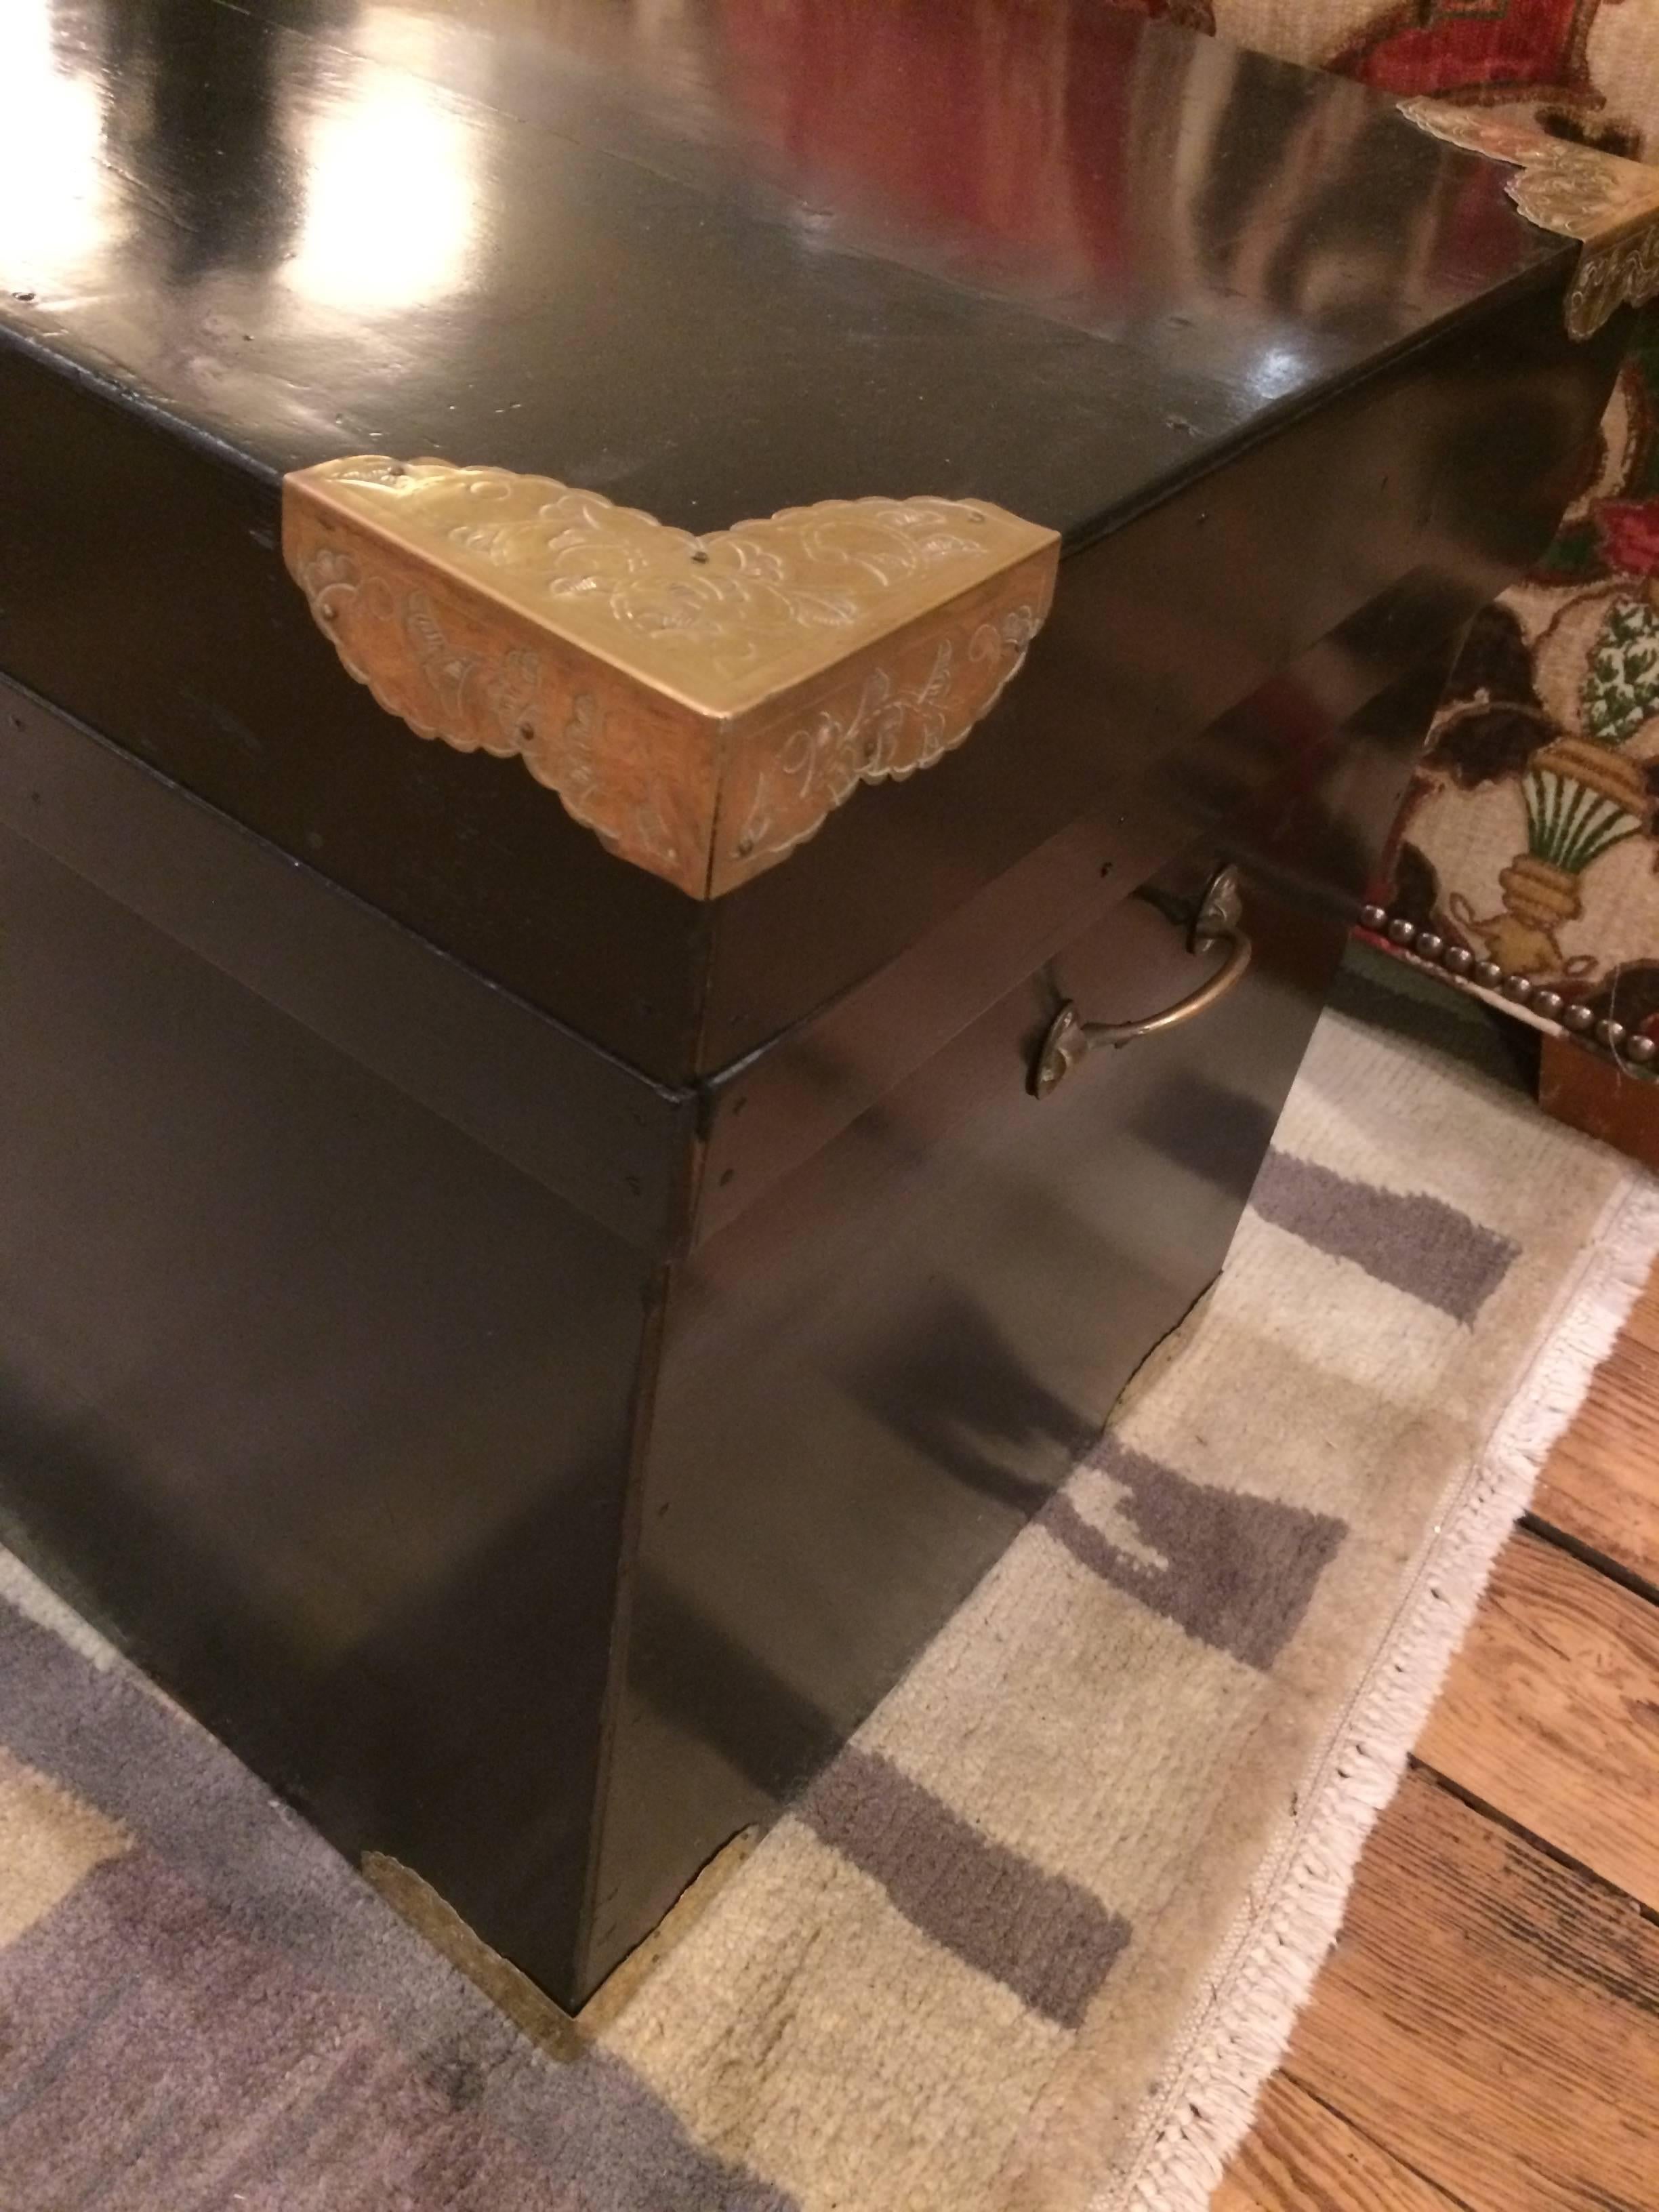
(1589, 1090)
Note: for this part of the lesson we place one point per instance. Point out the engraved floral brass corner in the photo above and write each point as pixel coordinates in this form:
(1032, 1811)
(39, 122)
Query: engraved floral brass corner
(701, 703)
(1610, 205)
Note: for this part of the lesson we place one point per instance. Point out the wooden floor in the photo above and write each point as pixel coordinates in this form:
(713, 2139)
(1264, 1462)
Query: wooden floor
(1486, 2034)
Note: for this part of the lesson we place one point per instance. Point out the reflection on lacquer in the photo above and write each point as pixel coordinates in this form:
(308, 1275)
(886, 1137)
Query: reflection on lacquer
(389, 195)
(53, 191)
(1277, 369)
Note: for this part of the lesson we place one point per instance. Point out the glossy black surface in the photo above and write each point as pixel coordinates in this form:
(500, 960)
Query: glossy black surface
(765, 255)
(318, 1407)
(1391, 513)
(585, 1127)
(1274, 344)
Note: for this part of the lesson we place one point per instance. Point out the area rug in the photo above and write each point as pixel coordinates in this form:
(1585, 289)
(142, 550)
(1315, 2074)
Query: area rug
(1034, 1942)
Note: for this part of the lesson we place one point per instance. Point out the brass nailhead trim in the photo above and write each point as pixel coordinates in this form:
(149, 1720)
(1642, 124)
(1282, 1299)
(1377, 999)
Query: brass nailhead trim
(1457, 960)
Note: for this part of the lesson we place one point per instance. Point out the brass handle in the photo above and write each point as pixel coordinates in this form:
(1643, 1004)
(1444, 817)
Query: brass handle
(1219, 921)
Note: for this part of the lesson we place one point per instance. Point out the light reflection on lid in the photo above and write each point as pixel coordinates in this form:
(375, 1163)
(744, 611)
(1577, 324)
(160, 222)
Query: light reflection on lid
(388, 197)
(53, 189)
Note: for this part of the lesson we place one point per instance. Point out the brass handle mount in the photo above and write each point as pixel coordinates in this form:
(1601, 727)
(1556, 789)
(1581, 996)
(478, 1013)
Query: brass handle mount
(1219, 921)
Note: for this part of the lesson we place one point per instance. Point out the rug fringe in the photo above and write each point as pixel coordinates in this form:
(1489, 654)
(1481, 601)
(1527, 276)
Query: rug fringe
(1280, 1942)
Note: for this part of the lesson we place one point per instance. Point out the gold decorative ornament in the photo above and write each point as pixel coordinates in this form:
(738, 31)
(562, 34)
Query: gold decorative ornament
(1610, 205)
(701, 703)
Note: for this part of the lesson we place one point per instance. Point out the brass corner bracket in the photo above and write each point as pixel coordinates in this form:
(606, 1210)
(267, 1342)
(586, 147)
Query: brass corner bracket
(701, 703)
(1610, 205)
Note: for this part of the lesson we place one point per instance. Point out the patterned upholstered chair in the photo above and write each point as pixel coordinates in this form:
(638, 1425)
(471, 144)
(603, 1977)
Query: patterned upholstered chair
(1530, 842)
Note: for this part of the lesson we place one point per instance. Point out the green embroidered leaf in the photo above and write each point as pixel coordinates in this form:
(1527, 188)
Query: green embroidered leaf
(1570, 825)
(1621, 684)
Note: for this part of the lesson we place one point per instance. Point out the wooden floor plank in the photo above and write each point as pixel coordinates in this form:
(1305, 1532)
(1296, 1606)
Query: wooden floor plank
(1302, 2157)
(1491, 2017)
(1601, 1485)
(1551, 1714)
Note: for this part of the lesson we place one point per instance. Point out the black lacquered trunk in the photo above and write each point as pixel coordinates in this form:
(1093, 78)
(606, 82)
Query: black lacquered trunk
(527, 1354)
